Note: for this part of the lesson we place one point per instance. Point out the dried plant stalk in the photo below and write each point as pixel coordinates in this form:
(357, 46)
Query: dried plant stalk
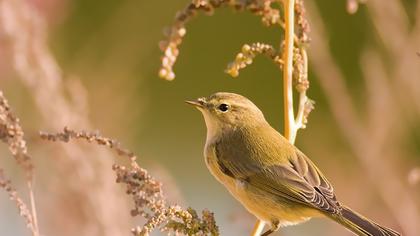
(175, 34)
(11, 133)
(24, 211)
(289, 122)
(24, 30)
(146, 192)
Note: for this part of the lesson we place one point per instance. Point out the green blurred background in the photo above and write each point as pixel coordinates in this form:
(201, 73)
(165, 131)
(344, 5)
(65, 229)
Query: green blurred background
(112, 47)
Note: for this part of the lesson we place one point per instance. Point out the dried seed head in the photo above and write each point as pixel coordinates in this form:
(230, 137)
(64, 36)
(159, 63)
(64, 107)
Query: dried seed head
(12, 134)
(170, 47)
(303, 29)
(145, 191)
(24, 211)
(247, 55)
(308, 108)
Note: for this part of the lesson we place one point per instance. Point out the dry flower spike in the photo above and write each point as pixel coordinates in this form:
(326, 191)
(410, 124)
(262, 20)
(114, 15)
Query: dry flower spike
(146, 192)
(24, 211)
(175, 34)
(11, 133)
(247, 55)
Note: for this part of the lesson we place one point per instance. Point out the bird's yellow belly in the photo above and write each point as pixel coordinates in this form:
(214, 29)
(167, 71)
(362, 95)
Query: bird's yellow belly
(261, 204)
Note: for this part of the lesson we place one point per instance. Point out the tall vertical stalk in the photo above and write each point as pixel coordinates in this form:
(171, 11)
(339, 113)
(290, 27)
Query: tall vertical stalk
(289, 32)
(290, 128)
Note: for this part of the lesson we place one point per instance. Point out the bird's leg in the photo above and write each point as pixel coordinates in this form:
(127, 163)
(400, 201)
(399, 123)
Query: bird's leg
(275, 225)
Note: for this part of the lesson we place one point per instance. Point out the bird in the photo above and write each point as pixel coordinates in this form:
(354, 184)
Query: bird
(268, 175)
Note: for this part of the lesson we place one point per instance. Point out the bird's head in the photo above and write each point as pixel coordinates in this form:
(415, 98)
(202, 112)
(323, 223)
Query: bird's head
(226, 111)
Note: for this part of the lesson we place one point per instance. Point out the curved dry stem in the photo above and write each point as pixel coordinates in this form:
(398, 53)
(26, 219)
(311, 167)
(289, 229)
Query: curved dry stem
(170, 47)
(247, 55)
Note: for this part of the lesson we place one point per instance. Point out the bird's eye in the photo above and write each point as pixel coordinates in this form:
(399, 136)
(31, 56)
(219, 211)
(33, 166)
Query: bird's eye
(224, 107)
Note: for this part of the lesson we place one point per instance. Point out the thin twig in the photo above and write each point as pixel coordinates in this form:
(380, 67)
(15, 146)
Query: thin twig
(33, 208)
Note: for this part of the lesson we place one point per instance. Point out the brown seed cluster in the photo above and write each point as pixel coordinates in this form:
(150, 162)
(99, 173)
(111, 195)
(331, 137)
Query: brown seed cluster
(300, 75)
(90, 137)
(308, 108)
(24, 211)
(247, 55)
(205, 225)
(174, 35)
(146, 192)
(300, 79)
(302, 29)
(11, 133)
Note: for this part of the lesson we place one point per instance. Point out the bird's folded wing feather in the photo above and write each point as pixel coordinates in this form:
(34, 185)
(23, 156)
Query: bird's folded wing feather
(297, 180)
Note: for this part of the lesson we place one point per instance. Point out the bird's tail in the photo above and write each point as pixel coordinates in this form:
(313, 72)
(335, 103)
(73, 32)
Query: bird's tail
(361, 225)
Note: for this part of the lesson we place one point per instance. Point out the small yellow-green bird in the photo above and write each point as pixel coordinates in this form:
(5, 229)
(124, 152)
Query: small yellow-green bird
(273, 179)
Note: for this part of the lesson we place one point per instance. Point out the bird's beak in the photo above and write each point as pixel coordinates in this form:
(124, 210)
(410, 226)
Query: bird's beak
(199, 103)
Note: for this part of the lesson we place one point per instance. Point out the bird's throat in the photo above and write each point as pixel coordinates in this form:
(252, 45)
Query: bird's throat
(213, 128)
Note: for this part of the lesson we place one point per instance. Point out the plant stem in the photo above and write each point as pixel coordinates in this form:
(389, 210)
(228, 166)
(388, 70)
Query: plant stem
(258, 228)
(289, 120)
(33, 209)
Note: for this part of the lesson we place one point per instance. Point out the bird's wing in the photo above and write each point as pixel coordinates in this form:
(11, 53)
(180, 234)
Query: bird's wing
(298, 180)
